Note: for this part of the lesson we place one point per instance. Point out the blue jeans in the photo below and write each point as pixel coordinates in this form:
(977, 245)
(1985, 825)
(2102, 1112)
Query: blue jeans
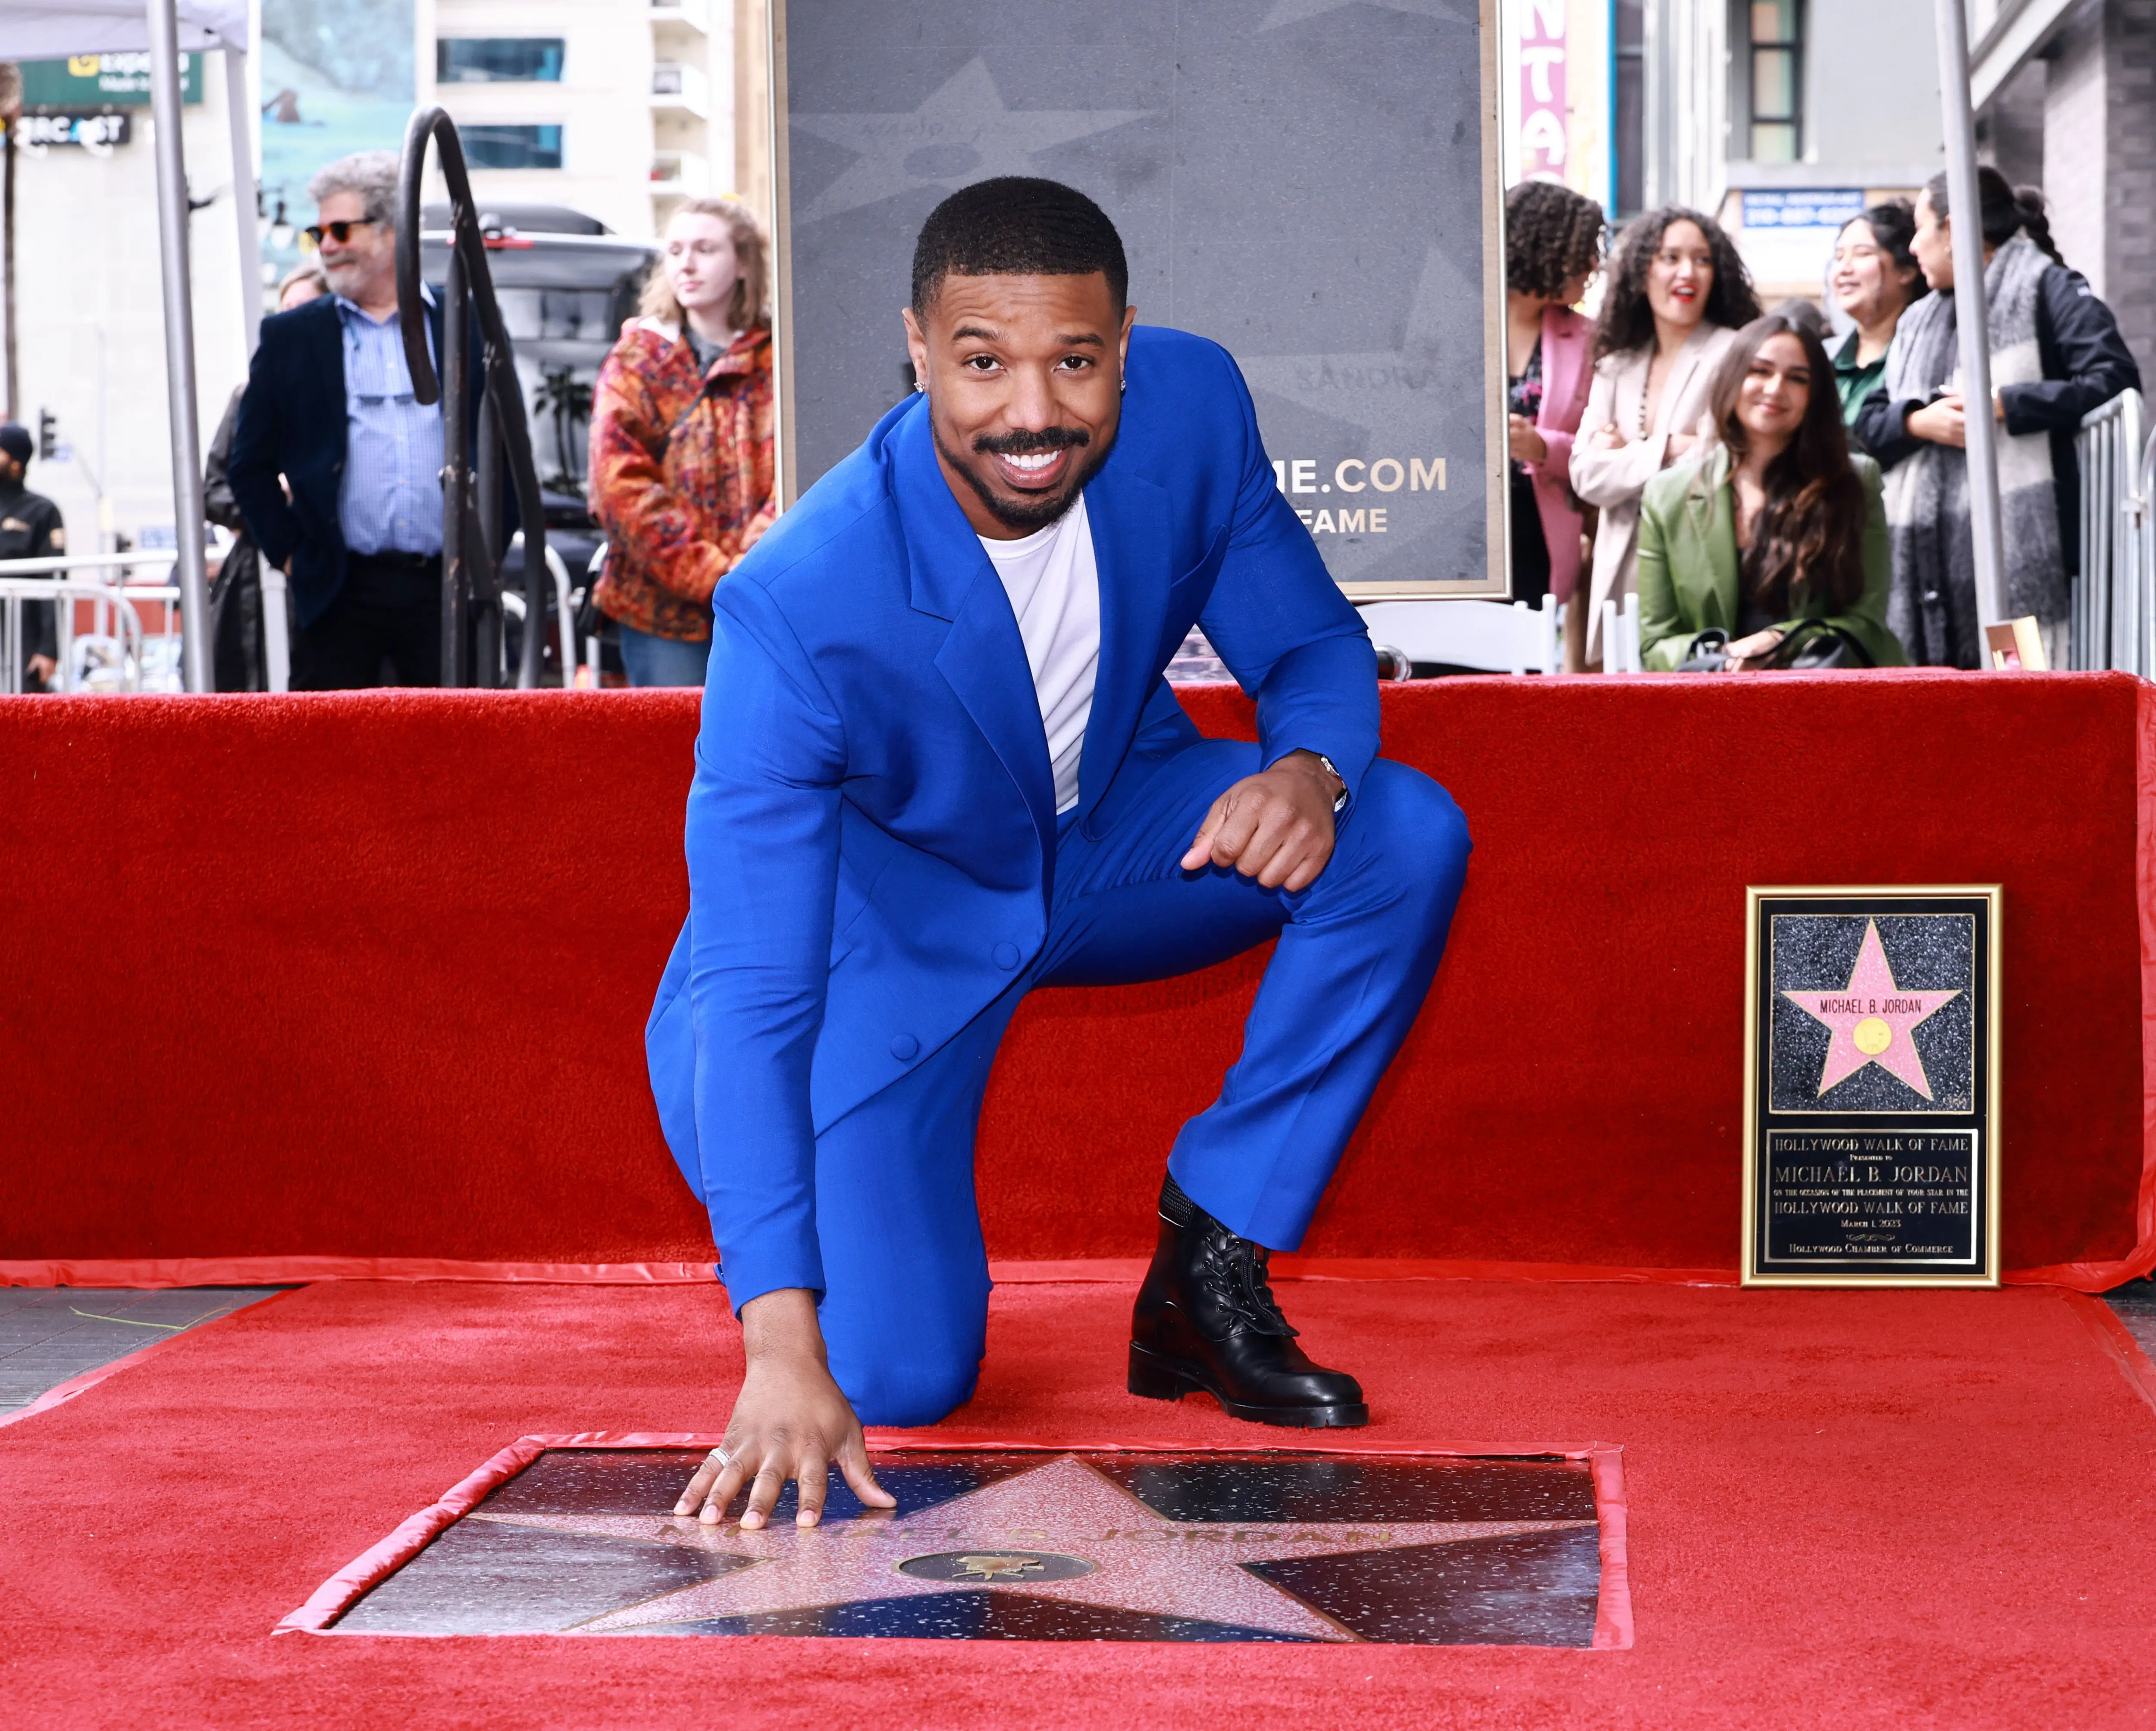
(905, 1313)
(663, 661)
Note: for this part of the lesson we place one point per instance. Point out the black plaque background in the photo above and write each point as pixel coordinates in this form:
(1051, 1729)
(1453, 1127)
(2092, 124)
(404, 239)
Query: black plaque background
(1874, 1104)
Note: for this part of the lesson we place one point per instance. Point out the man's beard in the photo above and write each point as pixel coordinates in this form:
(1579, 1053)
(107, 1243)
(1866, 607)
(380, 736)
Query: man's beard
(1035, 513)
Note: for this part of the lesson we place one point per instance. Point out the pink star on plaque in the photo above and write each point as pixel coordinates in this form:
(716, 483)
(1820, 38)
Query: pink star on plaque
(1871, 1018)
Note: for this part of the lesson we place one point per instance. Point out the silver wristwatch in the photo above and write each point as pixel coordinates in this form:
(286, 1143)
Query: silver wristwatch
(1333, 769)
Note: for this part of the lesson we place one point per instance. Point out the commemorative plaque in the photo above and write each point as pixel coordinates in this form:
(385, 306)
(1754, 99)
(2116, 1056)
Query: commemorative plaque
(1871, 1087)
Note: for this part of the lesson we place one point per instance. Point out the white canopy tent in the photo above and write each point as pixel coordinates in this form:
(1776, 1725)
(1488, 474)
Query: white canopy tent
(52, 29)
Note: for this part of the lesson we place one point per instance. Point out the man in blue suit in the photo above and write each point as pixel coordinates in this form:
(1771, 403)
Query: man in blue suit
(939, 767)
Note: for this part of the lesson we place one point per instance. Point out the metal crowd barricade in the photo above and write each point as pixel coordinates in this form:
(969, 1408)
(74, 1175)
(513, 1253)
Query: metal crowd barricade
(120, 624)
(2113, 620)
(117, 624)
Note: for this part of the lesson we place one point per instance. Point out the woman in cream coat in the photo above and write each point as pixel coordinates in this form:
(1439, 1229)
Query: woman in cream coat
(1677, 294)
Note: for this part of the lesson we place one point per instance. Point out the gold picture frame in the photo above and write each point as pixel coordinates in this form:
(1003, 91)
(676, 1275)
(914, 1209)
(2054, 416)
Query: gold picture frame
(1886, 1107)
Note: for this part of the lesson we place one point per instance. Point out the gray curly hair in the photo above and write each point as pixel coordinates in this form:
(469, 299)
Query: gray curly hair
(371, 174)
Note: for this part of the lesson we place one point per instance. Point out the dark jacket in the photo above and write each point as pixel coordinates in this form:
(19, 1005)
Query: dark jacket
(30, 528)
(237, 658)
(2085, 364)
(292, 423)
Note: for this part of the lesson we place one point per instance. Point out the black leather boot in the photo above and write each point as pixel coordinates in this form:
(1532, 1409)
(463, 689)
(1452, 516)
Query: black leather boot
(1206, 1320)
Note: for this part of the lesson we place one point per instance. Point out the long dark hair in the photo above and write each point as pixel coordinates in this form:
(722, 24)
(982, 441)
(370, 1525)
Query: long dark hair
(1628, 321)
(1551, 234)
(1809, 541)
(2005, 210)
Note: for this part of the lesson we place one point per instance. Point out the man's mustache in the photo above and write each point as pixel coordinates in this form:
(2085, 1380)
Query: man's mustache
(1024, 443)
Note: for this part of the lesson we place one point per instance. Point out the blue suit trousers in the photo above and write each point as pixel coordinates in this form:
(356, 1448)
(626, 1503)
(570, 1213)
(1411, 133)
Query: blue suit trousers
(905, 1312)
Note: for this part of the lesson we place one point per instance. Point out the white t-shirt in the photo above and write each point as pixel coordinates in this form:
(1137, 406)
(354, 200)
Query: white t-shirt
(1055, 589)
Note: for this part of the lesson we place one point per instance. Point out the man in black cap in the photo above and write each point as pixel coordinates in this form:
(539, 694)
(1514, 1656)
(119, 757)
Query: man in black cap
(30, 528)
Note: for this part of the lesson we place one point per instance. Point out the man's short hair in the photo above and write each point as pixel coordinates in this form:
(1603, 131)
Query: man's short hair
(1017, 226)
(371, 174)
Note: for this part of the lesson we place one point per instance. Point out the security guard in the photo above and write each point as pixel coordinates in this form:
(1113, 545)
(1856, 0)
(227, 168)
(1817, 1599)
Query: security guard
(30, 528)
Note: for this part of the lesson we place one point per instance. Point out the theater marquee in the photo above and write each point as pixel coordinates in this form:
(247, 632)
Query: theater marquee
(1311, 183)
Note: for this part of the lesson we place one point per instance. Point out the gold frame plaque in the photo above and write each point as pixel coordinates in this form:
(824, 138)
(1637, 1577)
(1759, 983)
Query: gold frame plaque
(1872, 1085)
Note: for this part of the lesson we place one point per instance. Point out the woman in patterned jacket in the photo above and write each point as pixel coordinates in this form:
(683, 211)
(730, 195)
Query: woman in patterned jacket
(682, 454)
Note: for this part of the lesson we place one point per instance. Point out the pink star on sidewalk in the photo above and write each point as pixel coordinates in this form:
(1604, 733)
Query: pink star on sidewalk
(1871, 1018)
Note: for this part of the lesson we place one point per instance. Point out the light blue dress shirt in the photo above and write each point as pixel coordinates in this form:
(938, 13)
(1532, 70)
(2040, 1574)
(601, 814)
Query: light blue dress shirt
(391, 497)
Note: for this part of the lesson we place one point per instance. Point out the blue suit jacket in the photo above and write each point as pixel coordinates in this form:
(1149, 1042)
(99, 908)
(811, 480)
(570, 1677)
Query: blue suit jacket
(872, 826)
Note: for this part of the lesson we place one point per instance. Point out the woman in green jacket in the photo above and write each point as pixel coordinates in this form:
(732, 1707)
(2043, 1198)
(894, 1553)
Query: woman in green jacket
(1778, 523)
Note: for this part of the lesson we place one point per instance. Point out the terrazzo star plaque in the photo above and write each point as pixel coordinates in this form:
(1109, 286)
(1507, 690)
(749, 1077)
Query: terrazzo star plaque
(1871, 1087)
(1029, 1544)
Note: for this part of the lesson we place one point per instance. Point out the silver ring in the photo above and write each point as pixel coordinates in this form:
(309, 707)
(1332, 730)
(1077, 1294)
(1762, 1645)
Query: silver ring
(719, 1458)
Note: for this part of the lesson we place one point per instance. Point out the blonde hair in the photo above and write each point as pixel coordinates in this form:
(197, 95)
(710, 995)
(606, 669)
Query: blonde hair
(751, 305)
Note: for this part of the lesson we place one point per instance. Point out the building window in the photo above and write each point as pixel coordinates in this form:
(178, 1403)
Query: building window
(498, 60)
(512, 146)
(1777, 64)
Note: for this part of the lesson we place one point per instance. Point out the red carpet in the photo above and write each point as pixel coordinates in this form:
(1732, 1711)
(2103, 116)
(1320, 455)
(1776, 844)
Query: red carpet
(1886, 1509)
(363, 978)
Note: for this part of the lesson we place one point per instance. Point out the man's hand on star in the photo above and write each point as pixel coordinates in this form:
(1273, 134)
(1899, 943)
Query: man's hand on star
(1276, 826)
(790, 1422)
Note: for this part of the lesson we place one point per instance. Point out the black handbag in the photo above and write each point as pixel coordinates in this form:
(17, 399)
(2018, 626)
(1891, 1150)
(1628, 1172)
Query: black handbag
(1705, 654)
(1812, 646)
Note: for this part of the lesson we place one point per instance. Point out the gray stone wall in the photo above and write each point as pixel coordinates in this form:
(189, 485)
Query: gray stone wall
(2130, 176)
(2098, 162)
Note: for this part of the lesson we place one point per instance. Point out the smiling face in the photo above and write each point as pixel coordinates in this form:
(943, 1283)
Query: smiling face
(1776, 392)
(701, 264)
(1933, 245)
(1025, 379)
(1680, 275)
(1867, 283)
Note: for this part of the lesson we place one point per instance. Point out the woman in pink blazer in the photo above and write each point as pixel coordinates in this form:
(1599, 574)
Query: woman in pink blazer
(1553, 245)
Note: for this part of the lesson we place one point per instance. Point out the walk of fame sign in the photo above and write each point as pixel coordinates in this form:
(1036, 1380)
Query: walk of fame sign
(1872, 1087)
(1028, 1544)
(1368, 129)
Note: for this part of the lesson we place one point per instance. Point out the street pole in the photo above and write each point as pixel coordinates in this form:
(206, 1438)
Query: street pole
(1971, 320)
(239, 117)
(179, 343)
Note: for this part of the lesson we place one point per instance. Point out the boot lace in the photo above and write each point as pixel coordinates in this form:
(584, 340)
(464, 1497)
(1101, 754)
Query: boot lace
(1239, 1270)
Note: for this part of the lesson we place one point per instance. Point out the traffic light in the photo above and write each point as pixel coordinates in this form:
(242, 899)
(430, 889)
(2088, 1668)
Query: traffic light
(48, 433)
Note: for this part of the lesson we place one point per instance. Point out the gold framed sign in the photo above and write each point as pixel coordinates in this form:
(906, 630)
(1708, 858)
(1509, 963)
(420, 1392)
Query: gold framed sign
(1872, 1087)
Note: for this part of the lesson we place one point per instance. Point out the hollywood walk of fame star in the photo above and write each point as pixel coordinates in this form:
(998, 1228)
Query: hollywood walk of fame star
(1097, 1545)
(1871, 1018)
(961, 133)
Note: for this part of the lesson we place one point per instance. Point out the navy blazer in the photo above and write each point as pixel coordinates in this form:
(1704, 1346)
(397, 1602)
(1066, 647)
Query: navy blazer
(872, 827)
(292, 420)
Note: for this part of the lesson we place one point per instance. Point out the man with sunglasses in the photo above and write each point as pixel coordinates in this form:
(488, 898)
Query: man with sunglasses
(335, 465)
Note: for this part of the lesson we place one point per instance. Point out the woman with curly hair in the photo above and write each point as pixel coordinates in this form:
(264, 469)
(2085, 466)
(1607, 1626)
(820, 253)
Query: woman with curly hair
(1553, 245)
(681, 472)
(1677, 295)
(1774, 524)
